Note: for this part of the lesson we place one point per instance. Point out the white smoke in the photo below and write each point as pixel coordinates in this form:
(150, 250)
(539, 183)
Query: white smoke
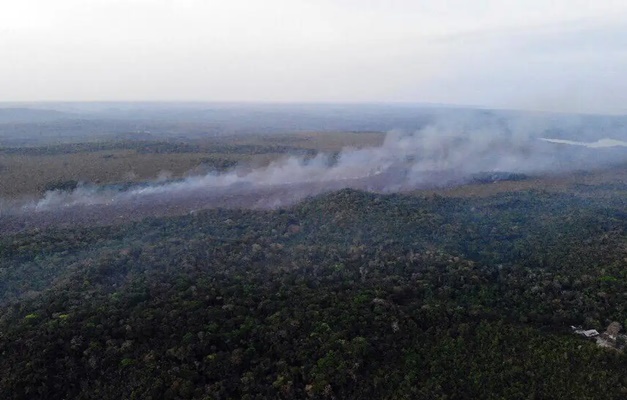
(445, 153)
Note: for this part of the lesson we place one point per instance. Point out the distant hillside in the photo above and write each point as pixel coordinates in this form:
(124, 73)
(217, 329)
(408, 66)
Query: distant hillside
(24, 115)
(75, 121)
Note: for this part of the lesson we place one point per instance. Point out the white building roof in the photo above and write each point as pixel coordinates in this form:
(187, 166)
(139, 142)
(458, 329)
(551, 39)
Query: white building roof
(589, 333)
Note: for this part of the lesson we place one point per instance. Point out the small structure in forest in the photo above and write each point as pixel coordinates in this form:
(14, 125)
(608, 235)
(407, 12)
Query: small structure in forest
(613, 329)
(611, 338)
(589, 333)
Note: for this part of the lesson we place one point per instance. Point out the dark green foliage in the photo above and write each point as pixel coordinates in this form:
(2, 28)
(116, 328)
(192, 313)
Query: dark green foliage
(66, 186)
(349, 295)
(491, 177)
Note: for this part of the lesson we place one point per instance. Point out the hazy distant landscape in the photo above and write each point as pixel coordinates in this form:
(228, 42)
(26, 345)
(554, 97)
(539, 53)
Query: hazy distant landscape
(142, 159)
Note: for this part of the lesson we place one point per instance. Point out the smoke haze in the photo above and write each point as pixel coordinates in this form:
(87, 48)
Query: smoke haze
(450, 151)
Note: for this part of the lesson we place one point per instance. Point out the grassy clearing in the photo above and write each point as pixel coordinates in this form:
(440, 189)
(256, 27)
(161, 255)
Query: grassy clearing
(27, 171)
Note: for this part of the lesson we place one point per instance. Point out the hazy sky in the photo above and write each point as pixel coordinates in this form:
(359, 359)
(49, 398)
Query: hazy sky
(566, 55)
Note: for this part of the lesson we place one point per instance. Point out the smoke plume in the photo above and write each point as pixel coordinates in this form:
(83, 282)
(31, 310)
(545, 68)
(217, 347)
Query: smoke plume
(445, 153)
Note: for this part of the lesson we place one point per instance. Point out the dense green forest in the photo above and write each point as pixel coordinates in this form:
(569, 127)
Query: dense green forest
(347, 295)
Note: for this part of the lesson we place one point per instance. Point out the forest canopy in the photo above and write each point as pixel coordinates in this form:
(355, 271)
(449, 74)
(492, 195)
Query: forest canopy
(347, 295)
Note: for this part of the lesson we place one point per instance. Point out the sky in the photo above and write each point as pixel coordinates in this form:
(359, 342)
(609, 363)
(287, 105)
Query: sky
(561, 55)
